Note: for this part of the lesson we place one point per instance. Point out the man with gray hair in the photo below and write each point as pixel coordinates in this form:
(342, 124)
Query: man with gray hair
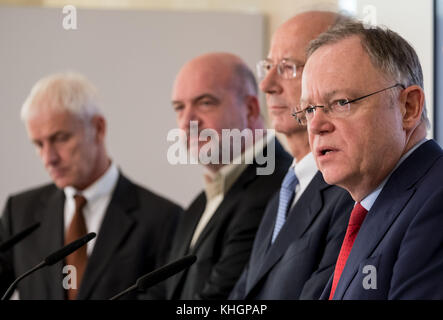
(364, 106)
(88, 194)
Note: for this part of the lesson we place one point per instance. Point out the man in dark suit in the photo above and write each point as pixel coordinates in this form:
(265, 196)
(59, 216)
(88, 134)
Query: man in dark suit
(218, 92)
(299, 237)
(89, 194)
(370, 138)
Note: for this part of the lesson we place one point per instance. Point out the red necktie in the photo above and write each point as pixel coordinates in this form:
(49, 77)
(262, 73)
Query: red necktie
(358, 214)
(77, 229)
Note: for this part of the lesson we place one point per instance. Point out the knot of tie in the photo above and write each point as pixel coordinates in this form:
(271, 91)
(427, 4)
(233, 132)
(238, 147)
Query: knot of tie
(358, 214)
(80, 202)
(290, 180)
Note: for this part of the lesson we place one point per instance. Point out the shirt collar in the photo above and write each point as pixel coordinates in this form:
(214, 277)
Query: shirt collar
(305, 169)
(369, 200)
(221, 181)
(101, 187)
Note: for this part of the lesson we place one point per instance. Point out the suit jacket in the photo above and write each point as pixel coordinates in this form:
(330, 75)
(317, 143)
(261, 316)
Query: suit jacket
(398, 251)
(225, 243)
(298, 264)
(131, 242)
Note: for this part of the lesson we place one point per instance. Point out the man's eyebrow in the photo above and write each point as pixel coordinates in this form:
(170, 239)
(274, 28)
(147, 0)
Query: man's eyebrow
(51, 137)
(198, 98)
(325, 97)
(330, 94)
(205, 96)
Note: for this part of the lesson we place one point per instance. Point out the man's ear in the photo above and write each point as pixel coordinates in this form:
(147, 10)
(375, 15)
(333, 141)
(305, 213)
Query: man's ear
(99, 124)
(412, 104)
(253, 108)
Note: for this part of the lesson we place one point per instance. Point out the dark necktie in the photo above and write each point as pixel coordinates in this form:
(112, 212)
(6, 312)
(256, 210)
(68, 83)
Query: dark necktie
(76, 230)
(287, 192)
(358, 214)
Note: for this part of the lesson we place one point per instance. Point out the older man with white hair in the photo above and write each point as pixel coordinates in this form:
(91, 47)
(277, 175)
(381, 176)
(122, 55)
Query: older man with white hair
(88, 194)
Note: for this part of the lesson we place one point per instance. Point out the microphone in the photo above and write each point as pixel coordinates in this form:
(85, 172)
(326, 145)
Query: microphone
(156, 276)
(53, 258)
(18, 237)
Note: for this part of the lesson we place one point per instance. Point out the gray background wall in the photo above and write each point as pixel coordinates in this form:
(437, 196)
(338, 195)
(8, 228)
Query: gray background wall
(132, 58)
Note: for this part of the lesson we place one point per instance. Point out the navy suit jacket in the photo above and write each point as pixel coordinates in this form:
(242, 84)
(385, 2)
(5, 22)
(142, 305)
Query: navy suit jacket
(298, 264)
(133, 240)
(398, 252)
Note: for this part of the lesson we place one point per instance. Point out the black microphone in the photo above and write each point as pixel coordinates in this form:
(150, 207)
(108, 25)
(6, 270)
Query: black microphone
(53, 258)
(18, 237)
(156, 276)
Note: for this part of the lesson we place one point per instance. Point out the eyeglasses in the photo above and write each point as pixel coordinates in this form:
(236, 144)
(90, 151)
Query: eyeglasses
(335, 109)
(287, 69)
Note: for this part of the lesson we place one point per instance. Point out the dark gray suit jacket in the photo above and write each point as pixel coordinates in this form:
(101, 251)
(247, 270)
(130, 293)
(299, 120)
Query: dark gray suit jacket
(133, 240)
(225, 243)
(298, 264)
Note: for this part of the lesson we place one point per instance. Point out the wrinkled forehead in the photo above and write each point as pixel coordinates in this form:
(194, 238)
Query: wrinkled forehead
(341, 66)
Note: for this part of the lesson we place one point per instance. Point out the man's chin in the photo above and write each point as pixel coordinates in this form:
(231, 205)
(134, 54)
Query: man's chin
(288, 129)
(61, 183)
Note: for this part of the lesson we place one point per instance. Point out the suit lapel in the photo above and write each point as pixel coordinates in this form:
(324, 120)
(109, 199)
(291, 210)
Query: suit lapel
(389, 204)
(249, 175)
(327, 290)
(194, 214)
(374, 227)
(233, 195)
(261, 245)
(186, 228)
(299, 219)
(51, 240)
(196, 210)
(115, 227)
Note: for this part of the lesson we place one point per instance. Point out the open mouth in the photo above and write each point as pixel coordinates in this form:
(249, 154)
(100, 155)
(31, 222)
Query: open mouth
(325, 151)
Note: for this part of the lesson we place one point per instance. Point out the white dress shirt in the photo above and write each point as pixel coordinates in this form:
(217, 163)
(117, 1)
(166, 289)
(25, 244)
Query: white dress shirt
(305, 171)
(98, 196)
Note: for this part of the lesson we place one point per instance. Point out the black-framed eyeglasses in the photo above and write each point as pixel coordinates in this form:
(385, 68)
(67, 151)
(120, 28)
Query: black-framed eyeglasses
(286, 68)
(336, 109)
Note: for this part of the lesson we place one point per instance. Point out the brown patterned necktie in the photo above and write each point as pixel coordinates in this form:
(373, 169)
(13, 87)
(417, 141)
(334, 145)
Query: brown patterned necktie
(78, 258)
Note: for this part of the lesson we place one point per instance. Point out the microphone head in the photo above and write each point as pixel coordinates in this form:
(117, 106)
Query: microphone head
(165, 272)
(18, 237)
(68, 249)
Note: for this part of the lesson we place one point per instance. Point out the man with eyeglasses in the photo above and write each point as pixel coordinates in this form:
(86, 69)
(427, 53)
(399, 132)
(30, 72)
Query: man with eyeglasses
(364, 106)
(299, 238)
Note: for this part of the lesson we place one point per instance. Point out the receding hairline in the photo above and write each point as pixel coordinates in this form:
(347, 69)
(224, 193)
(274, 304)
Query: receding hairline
(239, 75)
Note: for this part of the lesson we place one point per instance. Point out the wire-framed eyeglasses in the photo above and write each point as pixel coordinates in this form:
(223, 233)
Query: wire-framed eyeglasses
(335, 109)
(286, 68)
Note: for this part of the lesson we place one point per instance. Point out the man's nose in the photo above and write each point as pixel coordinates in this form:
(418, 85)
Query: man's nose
(271, 82)
(189, 114)
(49, 154)
(320, 122)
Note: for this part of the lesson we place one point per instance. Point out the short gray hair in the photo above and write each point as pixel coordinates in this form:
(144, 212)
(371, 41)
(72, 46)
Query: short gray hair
(62, 92)
(388, 51)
